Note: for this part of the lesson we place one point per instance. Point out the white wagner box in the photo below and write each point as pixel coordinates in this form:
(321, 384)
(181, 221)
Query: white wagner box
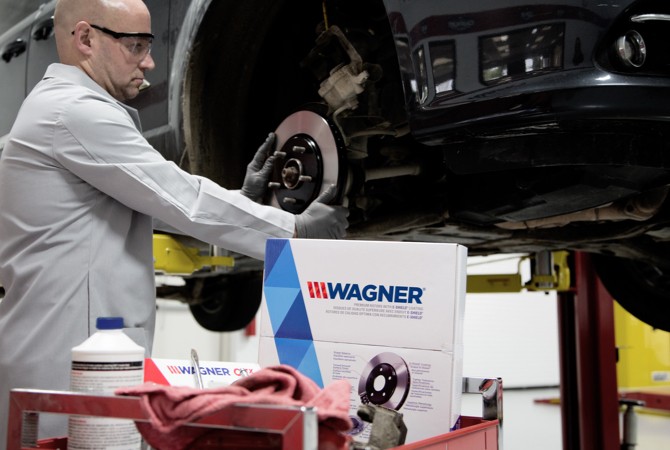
(387, 316)
(180, 372)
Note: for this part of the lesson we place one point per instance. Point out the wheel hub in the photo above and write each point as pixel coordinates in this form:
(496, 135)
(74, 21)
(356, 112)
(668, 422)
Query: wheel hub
(310, 158)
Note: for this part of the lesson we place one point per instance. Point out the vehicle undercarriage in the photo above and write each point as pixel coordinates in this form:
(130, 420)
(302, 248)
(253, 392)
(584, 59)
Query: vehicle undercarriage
(329, 82)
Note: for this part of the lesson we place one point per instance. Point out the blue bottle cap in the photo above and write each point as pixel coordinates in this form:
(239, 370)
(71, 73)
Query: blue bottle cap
(109, 323)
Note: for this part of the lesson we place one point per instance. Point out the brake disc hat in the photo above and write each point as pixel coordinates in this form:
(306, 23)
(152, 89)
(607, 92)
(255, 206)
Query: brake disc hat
(311, 158)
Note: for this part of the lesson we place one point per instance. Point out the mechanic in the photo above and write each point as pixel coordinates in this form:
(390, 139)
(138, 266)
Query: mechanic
(80, 189)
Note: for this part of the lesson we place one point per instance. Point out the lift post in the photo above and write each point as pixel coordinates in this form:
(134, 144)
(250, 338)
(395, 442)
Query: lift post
(589, 398)
(588, 384)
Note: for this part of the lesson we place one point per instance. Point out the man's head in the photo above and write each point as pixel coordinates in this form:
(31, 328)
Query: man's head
(108, 40)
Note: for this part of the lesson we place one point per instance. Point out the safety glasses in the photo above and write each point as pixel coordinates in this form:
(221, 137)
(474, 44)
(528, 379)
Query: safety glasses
(138, 44)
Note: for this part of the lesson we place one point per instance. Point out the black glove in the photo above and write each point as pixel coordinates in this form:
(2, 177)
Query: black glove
(322, 221)
(259, 170)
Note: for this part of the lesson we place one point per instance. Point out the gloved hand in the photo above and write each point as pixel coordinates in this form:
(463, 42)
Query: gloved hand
(259, 170)
(322, 221)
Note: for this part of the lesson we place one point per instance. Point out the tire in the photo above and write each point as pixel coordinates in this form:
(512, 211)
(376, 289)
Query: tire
(226, 303)
(640, 288)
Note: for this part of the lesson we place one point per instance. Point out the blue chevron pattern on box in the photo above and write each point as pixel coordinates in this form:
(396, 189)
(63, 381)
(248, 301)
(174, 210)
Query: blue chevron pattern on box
(286, 308)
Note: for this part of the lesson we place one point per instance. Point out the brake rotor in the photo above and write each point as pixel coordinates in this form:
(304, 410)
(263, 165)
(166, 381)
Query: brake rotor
(311, 158)
(385, 381)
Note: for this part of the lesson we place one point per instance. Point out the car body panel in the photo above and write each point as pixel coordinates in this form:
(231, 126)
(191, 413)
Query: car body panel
(576, 87)
(13, 67)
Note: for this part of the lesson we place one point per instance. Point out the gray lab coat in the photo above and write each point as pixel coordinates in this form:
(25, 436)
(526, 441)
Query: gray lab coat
(79, 186)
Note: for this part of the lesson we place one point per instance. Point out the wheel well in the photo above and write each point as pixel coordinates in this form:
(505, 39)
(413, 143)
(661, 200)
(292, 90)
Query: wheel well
(243, 77)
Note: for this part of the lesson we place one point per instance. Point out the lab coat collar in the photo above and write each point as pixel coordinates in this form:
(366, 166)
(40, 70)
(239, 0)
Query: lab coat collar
(79, 77)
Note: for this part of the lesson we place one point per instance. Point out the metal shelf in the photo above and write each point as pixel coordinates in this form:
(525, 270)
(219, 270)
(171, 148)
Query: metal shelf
(282, 427)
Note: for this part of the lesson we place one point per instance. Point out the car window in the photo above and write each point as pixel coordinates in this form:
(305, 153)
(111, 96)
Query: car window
(12, 12)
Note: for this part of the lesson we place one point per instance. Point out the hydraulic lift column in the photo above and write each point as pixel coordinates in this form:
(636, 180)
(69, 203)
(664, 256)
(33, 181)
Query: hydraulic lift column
(589, 395)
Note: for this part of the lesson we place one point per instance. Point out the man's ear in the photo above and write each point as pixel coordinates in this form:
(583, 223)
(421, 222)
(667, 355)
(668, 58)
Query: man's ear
(82, 36)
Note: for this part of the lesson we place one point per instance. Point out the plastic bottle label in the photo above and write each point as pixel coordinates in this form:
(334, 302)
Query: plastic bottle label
(105, 376)
(96, 433)
(89, 433)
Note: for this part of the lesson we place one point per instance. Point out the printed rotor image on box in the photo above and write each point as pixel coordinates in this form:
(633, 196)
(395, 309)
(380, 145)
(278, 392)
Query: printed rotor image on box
(385, 316)
(385, 381)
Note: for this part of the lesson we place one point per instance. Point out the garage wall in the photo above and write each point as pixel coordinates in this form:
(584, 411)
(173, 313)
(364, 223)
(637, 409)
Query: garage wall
(177, 333)
(513, 336)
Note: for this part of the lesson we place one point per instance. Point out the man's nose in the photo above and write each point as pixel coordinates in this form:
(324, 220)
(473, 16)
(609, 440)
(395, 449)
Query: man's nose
(147, 63)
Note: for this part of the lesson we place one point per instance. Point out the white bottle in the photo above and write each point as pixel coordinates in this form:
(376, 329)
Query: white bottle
(104, 362)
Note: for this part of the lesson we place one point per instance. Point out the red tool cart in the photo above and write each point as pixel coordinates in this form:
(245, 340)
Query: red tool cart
(247, 426)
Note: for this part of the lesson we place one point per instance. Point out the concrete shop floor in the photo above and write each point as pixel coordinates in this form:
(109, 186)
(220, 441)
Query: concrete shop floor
(528, 425)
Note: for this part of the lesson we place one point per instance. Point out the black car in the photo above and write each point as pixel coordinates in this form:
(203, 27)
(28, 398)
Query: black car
(507, 126)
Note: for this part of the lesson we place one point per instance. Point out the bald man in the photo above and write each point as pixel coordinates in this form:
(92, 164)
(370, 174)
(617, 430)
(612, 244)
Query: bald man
(79, 190)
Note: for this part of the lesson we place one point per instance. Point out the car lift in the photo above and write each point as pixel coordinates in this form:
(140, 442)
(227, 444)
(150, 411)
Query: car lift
(171, 256)
(589, 394)
(590, 401)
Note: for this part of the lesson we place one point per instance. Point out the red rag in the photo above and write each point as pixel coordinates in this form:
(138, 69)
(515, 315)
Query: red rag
(171, 407)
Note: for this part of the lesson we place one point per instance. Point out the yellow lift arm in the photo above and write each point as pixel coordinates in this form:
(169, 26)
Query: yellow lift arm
(557, 278)
(173, 257)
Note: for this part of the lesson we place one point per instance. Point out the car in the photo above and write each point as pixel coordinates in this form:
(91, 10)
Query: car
(506, 126)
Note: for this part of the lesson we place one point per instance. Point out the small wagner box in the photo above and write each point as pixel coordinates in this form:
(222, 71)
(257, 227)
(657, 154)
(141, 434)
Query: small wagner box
(386, 316)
